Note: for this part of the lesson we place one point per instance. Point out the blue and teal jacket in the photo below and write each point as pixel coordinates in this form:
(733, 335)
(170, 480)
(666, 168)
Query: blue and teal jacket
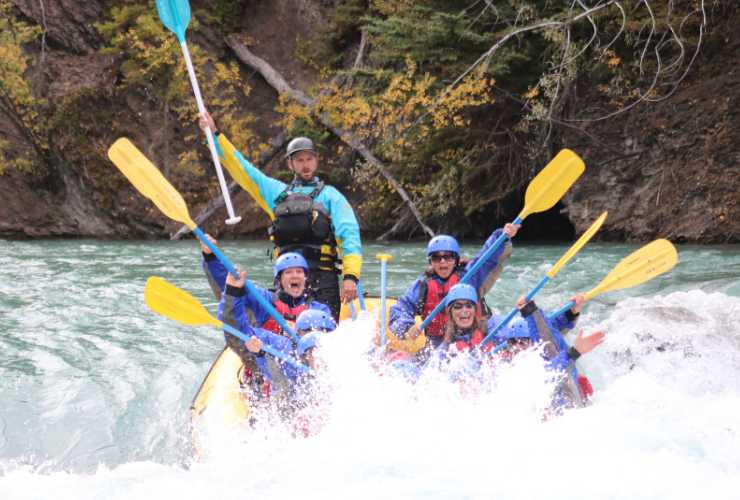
(265, 190)
(402, 313)
(216, 273)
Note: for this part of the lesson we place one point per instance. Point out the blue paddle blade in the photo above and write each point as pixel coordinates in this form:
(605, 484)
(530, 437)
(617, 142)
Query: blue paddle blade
(175, 14)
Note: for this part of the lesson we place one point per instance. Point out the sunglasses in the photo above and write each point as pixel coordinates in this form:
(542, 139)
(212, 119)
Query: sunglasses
(460, 304)
(314, 329)
(438, 257)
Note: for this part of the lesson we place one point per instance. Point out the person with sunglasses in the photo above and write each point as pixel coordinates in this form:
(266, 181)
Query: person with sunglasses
(464, 331)
(445, 271)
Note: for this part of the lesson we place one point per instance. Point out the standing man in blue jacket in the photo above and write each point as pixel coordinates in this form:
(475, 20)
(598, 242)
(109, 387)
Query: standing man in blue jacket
(308, 217)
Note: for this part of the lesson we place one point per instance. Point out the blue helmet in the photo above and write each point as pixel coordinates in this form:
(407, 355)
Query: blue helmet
(308, 341)
(461, 291)
(516, 330)
(290, 259)
(443, 243)
(314, 319)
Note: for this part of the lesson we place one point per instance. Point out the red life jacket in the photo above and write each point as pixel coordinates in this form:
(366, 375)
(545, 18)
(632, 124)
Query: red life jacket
(475, 338)
(289, 313)
(431, 294)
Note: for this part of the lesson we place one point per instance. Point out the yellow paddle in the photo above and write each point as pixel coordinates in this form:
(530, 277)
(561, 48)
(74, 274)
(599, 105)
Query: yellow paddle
(151, 183)
(642, 265)
(174, 303)
(585, 237)
(542, 193)
(551, 183)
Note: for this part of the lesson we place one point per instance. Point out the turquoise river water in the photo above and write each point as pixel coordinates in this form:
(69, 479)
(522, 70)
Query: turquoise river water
(95, 389)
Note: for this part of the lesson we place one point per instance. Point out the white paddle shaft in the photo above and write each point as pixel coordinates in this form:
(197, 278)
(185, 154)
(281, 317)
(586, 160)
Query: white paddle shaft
(233, 219)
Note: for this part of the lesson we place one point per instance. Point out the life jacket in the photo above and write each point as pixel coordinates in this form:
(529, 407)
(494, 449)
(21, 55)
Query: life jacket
(468, 341)
(289, 313)
(302, 224)
(254, 382)
(432, 292)
(587, 389)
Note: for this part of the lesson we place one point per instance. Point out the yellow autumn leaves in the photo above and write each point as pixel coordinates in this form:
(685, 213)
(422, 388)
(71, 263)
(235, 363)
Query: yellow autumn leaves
(153, 60)
(401, 114)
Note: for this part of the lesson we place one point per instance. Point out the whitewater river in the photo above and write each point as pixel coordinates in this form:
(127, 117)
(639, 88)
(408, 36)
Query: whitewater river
(95, 389)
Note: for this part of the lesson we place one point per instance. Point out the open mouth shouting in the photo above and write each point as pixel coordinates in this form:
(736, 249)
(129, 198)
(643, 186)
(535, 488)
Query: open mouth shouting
(293, 281)
(463, 313)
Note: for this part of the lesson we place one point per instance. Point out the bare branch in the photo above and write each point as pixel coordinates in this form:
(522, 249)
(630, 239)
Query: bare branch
(696, 52)
(650, 35)
(358, 58)
(594, 36)
(621, 27)
(43, 33)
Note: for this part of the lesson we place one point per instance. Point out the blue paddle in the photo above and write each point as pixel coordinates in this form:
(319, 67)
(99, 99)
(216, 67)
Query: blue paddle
(175, 15)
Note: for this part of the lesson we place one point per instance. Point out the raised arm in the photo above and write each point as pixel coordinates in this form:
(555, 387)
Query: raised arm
(489, 271)
(402, 313)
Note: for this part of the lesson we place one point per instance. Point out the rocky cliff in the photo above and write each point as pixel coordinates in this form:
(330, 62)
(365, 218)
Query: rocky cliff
(668, 168)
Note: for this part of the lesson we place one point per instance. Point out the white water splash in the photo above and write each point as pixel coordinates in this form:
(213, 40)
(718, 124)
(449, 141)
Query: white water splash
(663, 423)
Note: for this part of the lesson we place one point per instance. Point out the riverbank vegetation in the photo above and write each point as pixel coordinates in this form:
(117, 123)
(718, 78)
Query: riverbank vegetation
(462, 101)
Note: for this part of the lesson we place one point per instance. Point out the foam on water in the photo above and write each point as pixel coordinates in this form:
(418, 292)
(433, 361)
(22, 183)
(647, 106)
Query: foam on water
(102, 413)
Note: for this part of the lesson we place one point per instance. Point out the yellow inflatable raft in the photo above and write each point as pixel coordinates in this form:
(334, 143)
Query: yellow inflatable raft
(220, 397)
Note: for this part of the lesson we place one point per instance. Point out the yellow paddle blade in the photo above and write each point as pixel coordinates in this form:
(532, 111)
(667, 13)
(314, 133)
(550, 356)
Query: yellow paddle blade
(149, 180)
(577, 246)
(552, 182)
(638, 267)
(234, 167)
(166, 299)
(384, 257)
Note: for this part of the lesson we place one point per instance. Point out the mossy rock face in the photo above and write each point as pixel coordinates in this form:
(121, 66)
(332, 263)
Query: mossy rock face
(463, 153)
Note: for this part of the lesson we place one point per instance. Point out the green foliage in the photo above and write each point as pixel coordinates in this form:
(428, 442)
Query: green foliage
(340, 33)
(444, 44)
(152, 59)
(17, 101)
(226, 16)
(443, 134)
